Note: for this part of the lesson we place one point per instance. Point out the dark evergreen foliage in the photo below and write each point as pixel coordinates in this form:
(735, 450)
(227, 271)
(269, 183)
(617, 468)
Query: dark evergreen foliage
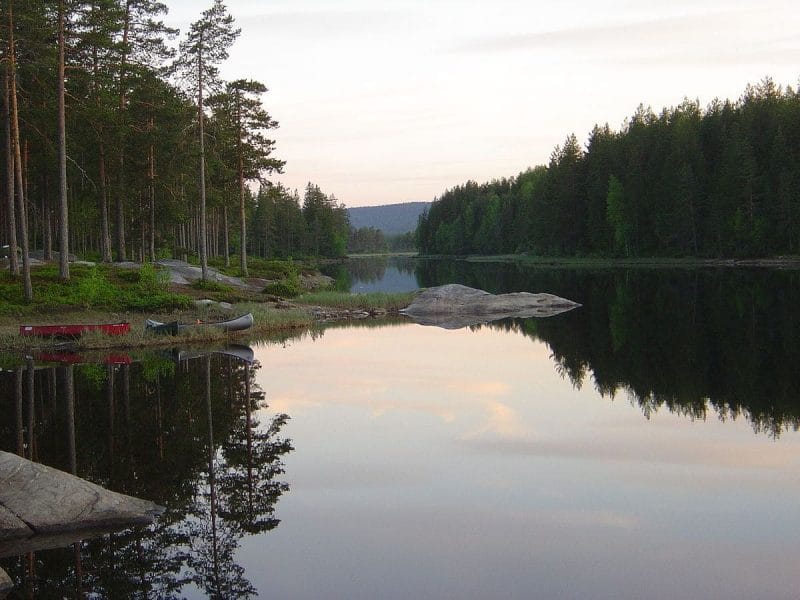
(719, 182)
(281, 227)
(132, 155)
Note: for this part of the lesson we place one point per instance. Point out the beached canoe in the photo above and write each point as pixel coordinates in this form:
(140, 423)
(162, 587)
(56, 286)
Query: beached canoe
(239, 323)
(73, 331)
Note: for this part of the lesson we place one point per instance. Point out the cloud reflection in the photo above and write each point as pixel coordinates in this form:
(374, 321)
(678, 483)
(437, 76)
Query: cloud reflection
(719, 454)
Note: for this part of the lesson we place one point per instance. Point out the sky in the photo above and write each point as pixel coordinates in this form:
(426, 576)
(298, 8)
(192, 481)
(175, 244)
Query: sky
(386, 101)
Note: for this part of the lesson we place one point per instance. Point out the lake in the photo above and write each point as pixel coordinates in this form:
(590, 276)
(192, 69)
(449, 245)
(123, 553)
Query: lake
(644, 445)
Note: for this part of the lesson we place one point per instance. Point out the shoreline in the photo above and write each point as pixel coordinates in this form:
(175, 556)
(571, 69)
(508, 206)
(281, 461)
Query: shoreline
(270, 320)
(778, 262)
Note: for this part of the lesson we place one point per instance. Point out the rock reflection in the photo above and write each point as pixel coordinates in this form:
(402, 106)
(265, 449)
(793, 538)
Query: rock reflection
(693, 341)
(184, 433)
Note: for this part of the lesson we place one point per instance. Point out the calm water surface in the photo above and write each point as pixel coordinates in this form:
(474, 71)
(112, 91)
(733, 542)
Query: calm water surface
(643, 446)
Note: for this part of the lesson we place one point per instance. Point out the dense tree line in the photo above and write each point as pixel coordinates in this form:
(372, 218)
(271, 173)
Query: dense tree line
(285, 226)
(719, 182)
(366, 239)
(116, 144)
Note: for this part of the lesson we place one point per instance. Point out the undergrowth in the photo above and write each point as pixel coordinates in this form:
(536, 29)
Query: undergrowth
(99, 287)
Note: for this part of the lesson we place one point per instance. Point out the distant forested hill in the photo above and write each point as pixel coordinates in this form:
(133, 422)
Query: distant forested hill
(392, 219)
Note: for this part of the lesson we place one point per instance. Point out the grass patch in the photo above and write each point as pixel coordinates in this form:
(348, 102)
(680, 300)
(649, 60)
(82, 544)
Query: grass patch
(262, 268)
(389, 302)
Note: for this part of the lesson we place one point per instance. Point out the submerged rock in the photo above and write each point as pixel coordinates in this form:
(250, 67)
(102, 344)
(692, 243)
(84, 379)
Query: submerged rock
(38, 503)
(454, 306)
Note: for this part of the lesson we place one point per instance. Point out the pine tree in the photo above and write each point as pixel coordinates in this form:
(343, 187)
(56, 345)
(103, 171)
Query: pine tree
(205, 47)
(239, 113)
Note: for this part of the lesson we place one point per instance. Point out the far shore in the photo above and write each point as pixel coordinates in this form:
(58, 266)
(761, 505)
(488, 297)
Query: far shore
(777, 262)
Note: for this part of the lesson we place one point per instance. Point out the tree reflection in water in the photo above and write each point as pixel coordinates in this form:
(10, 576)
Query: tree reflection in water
(693, 341)
(186, 435)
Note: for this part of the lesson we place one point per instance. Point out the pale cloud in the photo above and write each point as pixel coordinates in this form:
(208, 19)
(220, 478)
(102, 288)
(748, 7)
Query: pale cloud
(590, 518)
(481, 388)
(607, 449)
(654, 32)
(503, 421)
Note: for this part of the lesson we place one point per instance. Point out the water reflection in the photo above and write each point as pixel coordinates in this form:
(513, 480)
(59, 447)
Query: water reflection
(464, 458)
(687, 340)
(192, 434)
(374, 274)
(487, 462)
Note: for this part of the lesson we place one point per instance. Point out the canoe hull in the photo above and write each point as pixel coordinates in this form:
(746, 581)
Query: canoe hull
(73, 331)
(239, 323)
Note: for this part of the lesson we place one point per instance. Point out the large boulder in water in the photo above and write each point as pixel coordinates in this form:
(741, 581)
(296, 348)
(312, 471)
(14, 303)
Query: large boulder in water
(454, 306)
(41, 507)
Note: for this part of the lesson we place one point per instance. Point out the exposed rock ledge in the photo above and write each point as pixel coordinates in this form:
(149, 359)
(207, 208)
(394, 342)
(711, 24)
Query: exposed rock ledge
(454, 306)
(41, 507)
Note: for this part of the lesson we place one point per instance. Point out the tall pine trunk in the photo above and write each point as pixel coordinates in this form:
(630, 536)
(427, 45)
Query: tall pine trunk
(225, 236)
(13, 262)
(63, 221)
(242, 215)
(200, 119)
(152, 199)
(105, 234)
(119, 200)
(22, 221)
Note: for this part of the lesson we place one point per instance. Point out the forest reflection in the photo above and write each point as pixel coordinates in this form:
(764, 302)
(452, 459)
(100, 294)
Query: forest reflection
(368, 271)
(184, 433)
(689, 340)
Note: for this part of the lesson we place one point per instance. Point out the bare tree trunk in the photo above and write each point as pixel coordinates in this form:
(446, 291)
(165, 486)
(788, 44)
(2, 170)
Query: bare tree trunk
(242, 215)
(152, 199)
(141, 228)
(242, 223)
(22, 221)
(47, 228)
(119, 203)
(105, 234)
(203, 250)
(119, 212)
(13, 262)
(225, 240)
(63, 223)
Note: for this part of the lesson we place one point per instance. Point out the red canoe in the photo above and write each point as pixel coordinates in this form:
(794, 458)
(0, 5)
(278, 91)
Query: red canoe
(73, 330)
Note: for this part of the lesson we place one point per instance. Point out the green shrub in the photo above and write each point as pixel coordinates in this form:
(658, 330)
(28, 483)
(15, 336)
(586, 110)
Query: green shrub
(93, 289)
(210, 286)
(285, 288)
(153, 279)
